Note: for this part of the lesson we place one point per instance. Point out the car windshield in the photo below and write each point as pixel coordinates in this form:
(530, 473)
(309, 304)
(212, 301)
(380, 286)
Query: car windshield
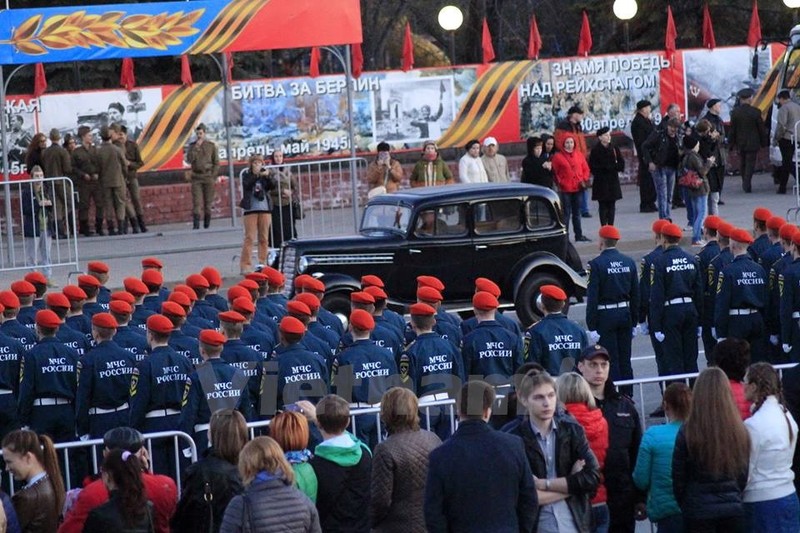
(384, 217)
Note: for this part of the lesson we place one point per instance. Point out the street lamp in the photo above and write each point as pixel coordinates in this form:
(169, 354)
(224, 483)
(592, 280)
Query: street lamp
(450, 19)
(625, 10)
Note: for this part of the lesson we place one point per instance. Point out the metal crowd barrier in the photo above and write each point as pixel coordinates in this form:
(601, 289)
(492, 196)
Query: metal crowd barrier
(18, 252)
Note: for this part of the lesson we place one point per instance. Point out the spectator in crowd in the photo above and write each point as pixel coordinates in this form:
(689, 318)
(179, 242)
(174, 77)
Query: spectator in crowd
(698, 196)
(712, 149)
(732, 356)
(33, 156)
(257, 205)
(400, 466)
(653, 472)
(216, 472)
(495, 163)
(37, 223)
(770, 498)
(85, 167)
(641, 128)
(474, 463)
(127, 509)
(717, 175)
(572, 126)
(571, 173)
(788, 117)
(269, 502)
(470, 166)
(575, 394)
(204, 162)
(31, 459)
(431, 169)
(510, 408)
(791, 394)
(660, 153)
(710, 461)
(548, 146)
(57, 163)
(536, 167)
(285, 199)
(748, 134)
(385, 174)
(605, 163)
(290, 431)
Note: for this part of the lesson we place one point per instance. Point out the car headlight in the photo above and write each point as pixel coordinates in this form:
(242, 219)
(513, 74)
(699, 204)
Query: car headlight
(302, 264)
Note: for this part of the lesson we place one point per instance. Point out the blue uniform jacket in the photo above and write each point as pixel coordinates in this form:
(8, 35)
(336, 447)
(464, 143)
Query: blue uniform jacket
(759, 246)
(237, 354)
(790, 300)
(140, 316)
(92, 308)
(218, 301)
(704, 258)
(492, 352)
(19, 332)
(772, 313)
(383, 337)
(644, 283)
(158, 382)
(268, 307)
(104, 295)
(132, 340)
(511, 325)
(674, 274)
(49, 370)
(213, 386)
(363, 372)
(396, 319)
(12, 352)
(204, 309)
(446, 330)
(187, 346)
(259, 340)
(104, 380)
(80, 323)
(770, 255)
(431, 364)
(551, 340)
(330, 320)
(742, 285)
(193, 330)
(327, 335)
(303, 371)
(152, 302)
(74, 339)
(612, 280)
(27, 316)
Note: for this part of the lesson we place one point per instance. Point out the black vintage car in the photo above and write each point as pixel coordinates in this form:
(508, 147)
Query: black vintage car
(511, 233)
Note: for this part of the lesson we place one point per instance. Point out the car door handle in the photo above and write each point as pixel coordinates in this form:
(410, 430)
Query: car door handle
(414, 251)
(480, 247)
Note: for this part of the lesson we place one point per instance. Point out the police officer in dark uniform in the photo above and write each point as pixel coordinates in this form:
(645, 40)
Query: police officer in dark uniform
(371, 280)
(201, 307)
(676, 299)
(790, 303)
(431, 366)
(555, 338)
(444, 327)
(487, 285)
(214, 279)
(153, 280)
(775, 250)
(741, 297)
(25, 292)
(611, 304)
(760, 217)
(214, 385)
(11, 355)
(104, 382)
(256, 337)
(132, 340)
(138, 289)
(158, 387)
(362, 373)
(100, 272)
(11, 326)
(237, 354)
(59, 304)
(709, 251)
(180, 342)
(775, 281)
(490, 350)
(91, 286)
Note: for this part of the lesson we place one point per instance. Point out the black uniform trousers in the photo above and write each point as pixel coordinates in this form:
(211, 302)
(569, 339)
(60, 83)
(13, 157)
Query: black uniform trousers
(98, 426)
(707, 322)
(58, 422)
(750, 328)
(163, 456)
(748, 166)
(647, 190)
(615, 329)
(787, 165)
(679, 349)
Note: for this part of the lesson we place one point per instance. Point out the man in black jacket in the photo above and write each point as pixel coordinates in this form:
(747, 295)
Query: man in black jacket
(641, 128)
(475, 463)
(660, 153)
(625, 501)
(748, 135)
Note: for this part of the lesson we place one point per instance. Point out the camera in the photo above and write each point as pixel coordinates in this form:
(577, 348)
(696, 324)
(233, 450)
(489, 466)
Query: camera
(258, 191)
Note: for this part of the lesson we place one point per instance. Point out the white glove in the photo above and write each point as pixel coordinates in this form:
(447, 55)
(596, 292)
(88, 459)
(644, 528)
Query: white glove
(187, 452)
(714, 334)
(787, 348)
(659, 336)
(634, 332)
(643, 329)
(84, 437)
(594, 337)
(773, 340)
(699, 331)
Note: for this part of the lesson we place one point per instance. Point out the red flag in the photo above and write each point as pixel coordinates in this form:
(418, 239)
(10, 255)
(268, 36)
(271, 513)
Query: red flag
(313, 67)
(486, 43)
(186, 71)
(229, 72)
(672, 34)
(708, 30)
(39, 81)
(356, 60)
(408, 49)
(534, 40)
(585, 40)
(126, 78)
(754, 33)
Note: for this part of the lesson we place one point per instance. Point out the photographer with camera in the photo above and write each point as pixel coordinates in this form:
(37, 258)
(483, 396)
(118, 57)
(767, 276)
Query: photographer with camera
(257, 205)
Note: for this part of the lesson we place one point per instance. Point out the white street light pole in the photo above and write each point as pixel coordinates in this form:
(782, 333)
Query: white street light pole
(450, 19)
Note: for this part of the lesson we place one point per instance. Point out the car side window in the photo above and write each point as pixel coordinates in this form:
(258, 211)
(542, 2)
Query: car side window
(539, 214)
(450, 220)
(497, 216)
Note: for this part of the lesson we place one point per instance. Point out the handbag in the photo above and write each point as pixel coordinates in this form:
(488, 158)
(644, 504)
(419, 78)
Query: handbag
(690, 179)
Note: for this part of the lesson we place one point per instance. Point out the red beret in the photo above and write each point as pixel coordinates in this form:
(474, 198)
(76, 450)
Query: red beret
(88, 281)
(371, 280)
(57, 299)
(243, 304)
(180, 298)
(237, 291)
(152, 262)
(361, 297)
(300, 281)
(487, 285)
(314, 285)
(74, 293)
(429, 294)
(152, 276)
(787, 231)
(553, 291)
(187, 290)
(712, 222)
(47, 319)
(609, 232)
(258, 277)
(725, 229)
(159, 324)
(9, 300)
(23, 288)
(775, 222)
(231, 316)
(135, 286)
(249, 284)
(290, 324)
(196, 281)
(274, 277)
(36, 277)
(104, 320)
(484, 301)
(671, 230)
(122, 296)
(297, 307)
(173, 308)
(309, 299)
(120, 307)
(420, 309)
(362, 320)
(212, 337)
(742, 235)
(376, 292)
(761, 214)
(212, 275)
(659, 224)
(430, 281)
(97, 266)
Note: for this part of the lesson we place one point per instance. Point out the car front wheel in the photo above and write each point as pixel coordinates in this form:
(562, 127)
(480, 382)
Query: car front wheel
(338, 303)
(525, 303)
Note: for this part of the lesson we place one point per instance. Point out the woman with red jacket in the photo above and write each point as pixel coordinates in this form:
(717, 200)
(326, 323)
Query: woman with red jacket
(571, 173)
(576, 395)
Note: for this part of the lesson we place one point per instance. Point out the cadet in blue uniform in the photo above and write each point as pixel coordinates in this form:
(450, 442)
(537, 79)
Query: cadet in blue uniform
(182, 295)
(382, 319)
(775, 250)
(704, 258)
(311, 342)
(25, 292)
(201, 307)
(104, 382)
(11, 355)
(555, 338)
(432, 368)
(100, 271)
(180, 342)
(153, 280)
(91, 286)
(269, 306)
(237, 354)
(441, 315)
(158, 387)
(317, 288)
(314, 326)
(490, 350)
(138, 289)
(214, 385)
(371, 280)
(444, 327)
(644, 285)
(40, 283)
(257, 337)
(741, 297)
(156, 264)
(59, 304)
(487, 285)
(775, 281)
(711, 278)
(11, 326)
(383, 336)
(214, 279)
(790, 303)
(676, 299)
(132, 340)
(362, 373)
(611, 303)
(75, 317)
(760, 217)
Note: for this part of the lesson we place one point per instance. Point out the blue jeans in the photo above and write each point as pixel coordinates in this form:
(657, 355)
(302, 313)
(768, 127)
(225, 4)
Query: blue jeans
(699, 206)
(585, 202)
(571, 203)
(774, 516)
(664, 181)
(670, 524)
(686, 196)
(600, 519)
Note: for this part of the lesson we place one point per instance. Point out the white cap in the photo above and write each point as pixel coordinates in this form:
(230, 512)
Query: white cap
(488, 141)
